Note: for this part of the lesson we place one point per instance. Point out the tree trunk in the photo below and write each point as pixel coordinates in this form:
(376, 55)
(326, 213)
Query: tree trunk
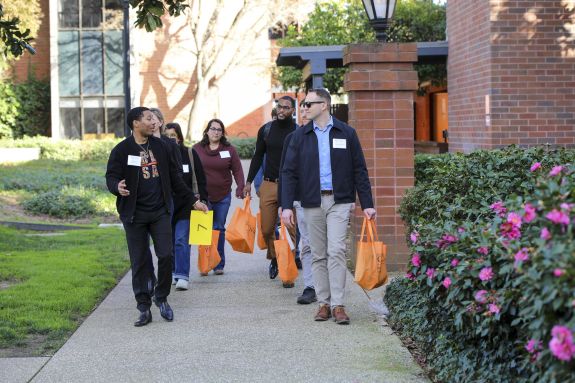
(197, 117)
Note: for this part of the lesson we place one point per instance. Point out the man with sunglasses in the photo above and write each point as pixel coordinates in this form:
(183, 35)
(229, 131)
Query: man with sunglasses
(324, 165)
(271, 144)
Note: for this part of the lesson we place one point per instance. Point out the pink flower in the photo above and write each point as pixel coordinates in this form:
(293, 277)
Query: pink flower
(558, 272)
(521, 256)
(446, 240)
(514, 219)
(558, 217)
(460, 230)
(535, 166)
(416, 260)
(454, 262)
(483, 250)
(529, 213)
(486, 274)
(499, 208)
(446, 282)
(493, 308)
(414, 236)
(430, 273)
(480, 296)
(545, 234)
(561, 345)
(566, 206)
(510, 231)
(556, 170)
(410, 276)
(533, 346)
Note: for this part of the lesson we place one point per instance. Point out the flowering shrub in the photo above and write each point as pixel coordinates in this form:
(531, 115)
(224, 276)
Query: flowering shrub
(494, 272)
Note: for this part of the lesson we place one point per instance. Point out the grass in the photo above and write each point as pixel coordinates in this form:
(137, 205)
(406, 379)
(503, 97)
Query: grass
(51, 188)
(49, 284)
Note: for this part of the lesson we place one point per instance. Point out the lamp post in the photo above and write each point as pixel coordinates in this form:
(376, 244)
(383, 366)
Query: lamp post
(126, 64)
(379, 13)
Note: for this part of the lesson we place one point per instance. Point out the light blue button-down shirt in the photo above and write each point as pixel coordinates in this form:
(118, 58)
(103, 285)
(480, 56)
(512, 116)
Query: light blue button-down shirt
(324, 154)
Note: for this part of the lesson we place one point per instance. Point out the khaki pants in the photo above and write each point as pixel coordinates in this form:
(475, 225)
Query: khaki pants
(327, 226)
(269, 212)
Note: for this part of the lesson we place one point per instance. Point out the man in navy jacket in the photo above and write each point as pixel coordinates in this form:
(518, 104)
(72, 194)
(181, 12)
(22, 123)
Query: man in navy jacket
(325, 167)
(142, 173)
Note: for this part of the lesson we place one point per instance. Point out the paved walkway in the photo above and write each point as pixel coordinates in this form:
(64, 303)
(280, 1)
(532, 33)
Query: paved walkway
(239, 327)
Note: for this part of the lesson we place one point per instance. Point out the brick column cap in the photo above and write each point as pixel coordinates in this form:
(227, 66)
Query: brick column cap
(379, 52)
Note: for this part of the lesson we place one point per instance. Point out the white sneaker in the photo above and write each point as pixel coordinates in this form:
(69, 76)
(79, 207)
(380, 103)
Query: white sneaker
(182, 284)
(174, 281)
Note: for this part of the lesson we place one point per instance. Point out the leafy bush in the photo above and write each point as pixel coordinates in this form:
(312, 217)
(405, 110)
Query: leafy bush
(24, 108)
(489, 295)
(244, 146)
(67, 150)
(63, 203)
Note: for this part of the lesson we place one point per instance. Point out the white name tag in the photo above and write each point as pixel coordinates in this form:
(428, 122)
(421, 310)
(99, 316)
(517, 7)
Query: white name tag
(134, 161)
(339, 143)
(225, 154)
(186, 168)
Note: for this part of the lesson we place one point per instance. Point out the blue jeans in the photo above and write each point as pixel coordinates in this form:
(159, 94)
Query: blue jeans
(182, 250)
(221, 209)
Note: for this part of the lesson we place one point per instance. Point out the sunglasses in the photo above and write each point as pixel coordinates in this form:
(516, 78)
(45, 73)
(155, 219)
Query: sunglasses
(308, 104)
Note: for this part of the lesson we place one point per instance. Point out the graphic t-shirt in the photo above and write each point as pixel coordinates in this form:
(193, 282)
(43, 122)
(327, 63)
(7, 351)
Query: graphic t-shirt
(149, 186)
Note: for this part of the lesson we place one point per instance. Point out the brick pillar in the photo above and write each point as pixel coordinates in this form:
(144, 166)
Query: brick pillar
(511, 73)
(381, 84)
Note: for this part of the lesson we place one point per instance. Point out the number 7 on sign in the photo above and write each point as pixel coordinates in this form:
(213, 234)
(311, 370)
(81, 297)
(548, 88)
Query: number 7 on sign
(201, 227)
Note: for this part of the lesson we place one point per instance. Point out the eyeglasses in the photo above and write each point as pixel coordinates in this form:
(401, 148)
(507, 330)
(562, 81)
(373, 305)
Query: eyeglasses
(217, 130)
(308, 104)
(284, 107)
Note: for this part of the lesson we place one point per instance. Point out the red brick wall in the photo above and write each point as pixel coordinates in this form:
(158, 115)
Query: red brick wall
(40, 62)
(381, 84)
(468, 74)
(520, 53)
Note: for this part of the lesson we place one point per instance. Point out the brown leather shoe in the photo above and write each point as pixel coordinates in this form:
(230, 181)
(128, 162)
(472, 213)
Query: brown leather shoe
(323, 313)
(339, 315)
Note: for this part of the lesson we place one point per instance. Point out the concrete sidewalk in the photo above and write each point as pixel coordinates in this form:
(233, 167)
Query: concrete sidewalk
(238, 327)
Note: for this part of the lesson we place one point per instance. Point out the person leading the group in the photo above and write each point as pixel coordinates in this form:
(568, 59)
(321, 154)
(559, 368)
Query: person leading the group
(270, 143)
(142, 175)
(220, 161)
(193, 174)
(324, 164)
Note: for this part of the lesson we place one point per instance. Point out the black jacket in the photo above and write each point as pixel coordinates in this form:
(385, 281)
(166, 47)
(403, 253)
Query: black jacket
(300, 169)
(183, 206)
(118, 169)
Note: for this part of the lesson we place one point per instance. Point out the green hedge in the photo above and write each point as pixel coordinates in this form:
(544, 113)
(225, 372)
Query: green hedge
(489, 295)
(66, 150)
(244, 146)
(24, 108)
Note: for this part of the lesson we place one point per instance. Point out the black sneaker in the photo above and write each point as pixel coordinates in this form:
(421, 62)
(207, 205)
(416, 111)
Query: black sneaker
(273, 269)
(308, 296)
(298, 263)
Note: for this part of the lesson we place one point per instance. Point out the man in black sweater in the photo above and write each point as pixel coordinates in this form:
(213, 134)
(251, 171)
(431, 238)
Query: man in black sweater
(142, 174)
(270, 142)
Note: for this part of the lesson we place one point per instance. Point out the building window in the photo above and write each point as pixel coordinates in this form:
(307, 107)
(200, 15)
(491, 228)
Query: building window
(90, 68)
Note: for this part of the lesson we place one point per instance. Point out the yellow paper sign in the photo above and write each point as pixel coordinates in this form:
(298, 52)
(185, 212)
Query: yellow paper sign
(201, 227)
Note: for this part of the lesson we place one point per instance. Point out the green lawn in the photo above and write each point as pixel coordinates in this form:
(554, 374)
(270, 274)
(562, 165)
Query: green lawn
(49, 284)
(69, 190)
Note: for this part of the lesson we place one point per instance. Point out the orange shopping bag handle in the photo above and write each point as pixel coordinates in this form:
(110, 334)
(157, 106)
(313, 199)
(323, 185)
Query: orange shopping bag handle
(283, 233)
(247, 202)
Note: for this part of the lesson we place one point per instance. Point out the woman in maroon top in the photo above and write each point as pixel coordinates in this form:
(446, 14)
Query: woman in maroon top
(220, 161)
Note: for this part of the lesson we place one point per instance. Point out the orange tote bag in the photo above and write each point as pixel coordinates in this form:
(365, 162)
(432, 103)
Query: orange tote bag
(287, 268)
(370, 267)
(241, 232)
(208, 256)
(262, 244)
